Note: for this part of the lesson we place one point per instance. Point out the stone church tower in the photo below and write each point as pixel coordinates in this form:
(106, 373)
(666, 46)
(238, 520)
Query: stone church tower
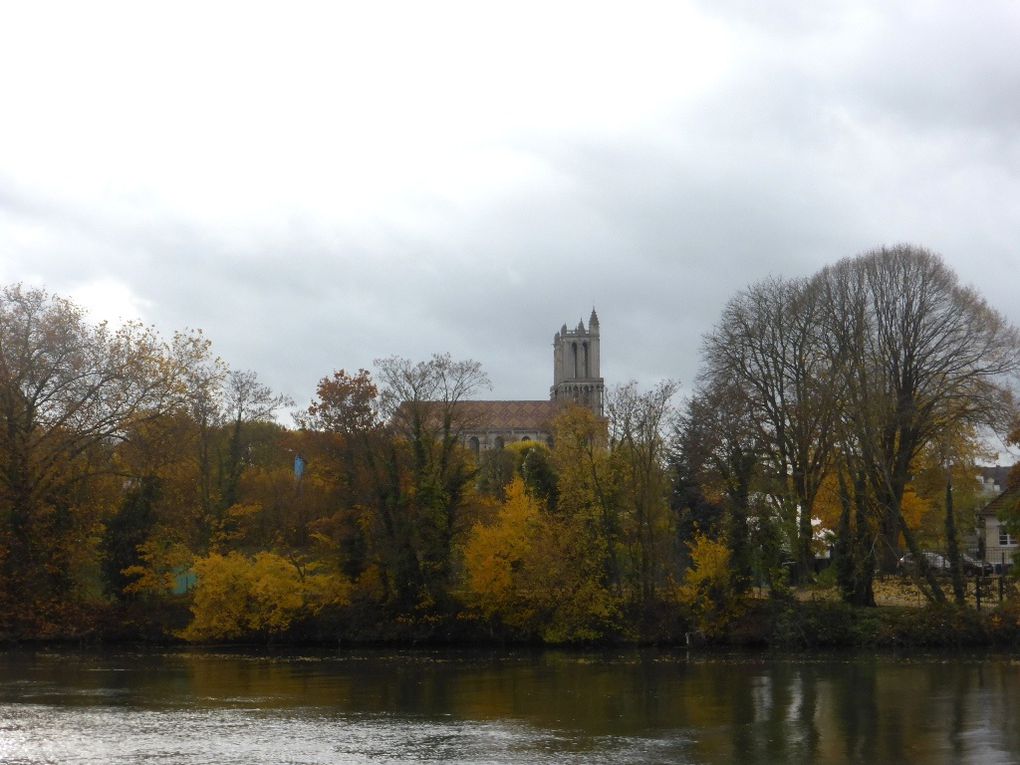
(488, 425)
(576, 375)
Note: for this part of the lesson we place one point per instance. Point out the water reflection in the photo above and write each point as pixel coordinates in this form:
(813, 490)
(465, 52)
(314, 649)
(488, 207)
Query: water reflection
(640, 706)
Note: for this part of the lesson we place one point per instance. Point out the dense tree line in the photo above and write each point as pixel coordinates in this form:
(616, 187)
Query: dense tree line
(149, 489)
(146, 488)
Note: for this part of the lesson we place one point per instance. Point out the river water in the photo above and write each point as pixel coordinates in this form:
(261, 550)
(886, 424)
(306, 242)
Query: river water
(188, 706)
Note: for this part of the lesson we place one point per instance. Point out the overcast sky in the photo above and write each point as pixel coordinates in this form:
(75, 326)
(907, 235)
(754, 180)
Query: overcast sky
(320, 185)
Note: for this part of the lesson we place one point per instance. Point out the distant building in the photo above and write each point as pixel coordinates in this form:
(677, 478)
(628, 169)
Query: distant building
(996, 544)
(576, 380)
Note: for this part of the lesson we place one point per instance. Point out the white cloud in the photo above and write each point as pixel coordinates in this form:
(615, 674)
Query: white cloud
(110, 300)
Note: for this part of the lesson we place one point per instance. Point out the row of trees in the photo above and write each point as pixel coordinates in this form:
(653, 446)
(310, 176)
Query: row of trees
(134, 468)
(141, 477)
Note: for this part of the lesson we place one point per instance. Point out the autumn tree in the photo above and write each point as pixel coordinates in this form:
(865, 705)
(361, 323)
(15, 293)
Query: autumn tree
(344, 404)
(499, 559)
(246, 400)
(538, 573)
(548, 563)
(589, 486)
(343, 441)
(68, 390)
(165, 468)
(263, 595)
(708, 592)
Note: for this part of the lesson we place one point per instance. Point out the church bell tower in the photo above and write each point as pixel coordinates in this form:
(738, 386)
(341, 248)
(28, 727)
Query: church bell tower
(576, 375)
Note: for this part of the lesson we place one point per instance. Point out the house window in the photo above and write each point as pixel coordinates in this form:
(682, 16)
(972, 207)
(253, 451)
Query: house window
(1006, 539)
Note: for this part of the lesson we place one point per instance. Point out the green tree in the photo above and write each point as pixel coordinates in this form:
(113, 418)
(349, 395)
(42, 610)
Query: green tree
(637, 430)
(423, 473)
(720, 445)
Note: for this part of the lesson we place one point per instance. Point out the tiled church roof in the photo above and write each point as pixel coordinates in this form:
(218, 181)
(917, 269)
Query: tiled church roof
(507, 415)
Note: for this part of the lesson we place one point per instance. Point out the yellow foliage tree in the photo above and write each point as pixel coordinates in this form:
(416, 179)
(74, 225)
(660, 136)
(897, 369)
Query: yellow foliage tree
(915, 508)
(494, 554)
(538, 574)
(163, 559)
(708, 591)
(238, 596)
(221, 603)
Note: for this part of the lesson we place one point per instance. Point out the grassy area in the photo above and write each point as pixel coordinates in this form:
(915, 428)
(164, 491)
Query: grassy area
(815, 617)
(902, 591)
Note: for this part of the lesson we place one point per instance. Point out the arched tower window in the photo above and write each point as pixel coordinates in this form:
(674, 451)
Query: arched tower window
(573, 355)
(587, 362)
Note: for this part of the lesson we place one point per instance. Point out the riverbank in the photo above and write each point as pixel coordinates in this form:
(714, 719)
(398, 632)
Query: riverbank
(797, 620)
(797, 625)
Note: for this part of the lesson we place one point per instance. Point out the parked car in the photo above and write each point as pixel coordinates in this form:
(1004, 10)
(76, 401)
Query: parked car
(973, 566)
(939, 563)
(936, 561)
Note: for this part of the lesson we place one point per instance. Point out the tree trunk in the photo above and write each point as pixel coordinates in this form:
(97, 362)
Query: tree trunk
(925, 572)
(953, 547)
(842, 553)
(864, 554)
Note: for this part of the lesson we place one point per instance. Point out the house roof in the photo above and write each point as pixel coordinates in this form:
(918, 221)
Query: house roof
(508, 415)
(1005, 502)
(996, 473)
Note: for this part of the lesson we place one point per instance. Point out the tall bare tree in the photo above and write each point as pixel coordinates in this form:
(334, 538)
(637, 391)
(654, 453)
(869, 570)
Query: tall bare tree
(915, 355)
(768, 343)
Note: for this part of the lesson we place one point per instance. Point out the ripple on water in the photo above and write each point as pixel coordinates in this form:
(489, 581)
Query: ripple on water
(35, 733)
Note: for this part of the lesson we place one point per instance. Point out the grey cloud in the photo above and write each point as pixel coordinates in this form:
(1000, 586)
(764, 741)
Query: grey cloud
(805, 152)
